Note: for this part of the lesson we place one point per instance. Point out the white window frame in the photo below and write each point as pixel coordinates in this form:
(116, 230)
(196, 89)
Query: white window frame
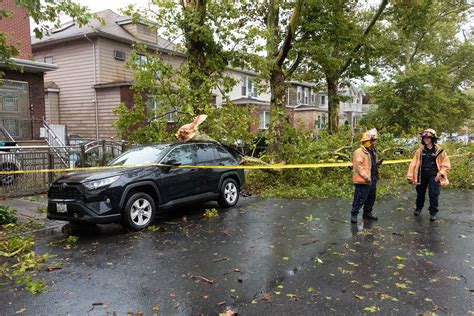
(306, 95)
(323, 100)
(10, 107)
(248, 87)
(264, 120)
(156, 106)
(48, 60)
(299, 95)
(243, 86)
(313, 96)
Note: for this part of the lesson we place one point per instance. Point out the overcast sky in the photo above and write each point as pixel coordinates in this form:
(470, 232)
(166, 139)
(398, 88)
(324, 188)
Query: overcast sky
(100, 5)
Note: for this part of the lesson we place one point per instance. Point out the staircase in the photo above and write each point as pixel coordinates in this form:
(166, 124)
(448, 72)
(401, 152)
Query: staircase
(57, 146)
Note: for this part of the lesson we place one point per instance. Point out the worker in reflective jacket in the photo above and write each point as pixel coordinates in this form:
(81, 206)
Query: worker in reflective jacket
(429, 168)
(365, 174)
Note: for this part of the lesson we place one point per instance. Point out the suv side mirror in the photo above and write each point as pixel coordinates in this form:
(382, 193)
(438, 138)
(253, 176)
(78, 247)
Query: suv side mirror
(173, 162)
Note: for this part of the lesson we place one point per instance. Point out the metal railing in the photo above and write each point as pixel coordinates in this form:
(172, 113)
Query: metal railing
(28, 158)
(6, 134)
(56, 144)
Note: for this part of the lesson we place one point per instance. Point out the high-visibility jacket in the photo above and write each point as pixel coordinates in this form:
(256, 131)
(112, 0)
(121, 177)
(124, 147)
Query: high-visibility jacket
(442, 162)
(361, 166)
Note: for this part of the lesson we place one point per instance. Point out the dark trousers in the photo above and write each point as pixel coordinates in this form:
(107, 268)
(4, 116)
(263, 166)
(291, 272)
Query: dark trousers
(364, 195)
(428, 181)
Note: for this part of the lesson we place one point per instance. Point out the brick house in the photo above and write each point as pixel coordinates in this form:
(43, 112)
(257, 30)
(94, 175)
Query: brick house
(22, 105)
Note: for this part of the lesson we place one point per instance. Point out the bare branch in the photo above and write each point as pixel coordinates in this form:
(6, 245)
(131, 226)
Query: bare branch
(290, 33)
(369, 28)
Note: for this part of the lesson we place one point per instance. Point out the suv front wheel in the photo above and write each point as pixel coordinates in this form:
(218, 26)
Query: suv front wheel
(229, 193)
(139, 211)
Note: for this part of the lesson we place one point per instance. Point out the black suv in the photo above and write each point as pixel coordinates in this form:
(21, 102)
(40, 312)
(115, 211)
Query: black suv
(133, 195)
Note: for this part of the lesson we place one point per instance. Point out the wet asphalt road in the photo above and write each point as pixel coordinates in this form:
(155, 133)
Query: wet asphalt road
(265, 257)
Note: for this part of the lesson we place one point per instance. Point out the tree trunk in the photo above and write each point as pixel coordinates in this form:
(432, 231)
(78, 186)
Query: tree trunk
(277, 104)
(333, 105)
(195, 11)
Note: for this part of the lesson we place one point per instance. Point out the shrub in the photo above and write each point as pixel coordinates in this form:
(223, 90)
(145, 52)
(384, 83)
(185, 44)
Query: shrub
(336, 182)
(7, 215)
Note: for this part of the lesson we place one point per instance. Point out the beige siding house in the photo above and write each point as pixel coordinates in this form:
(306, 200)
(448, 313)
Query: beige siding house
(92, 78)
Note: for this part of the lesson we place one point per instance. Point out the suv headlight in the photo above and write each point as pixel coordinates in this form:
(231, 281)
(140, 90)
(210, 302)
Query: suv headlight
(93, 185)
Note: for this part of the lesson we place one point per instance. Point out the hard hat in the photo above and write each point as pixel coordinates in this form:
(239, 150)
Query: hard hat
(429, 132)
(369, 135)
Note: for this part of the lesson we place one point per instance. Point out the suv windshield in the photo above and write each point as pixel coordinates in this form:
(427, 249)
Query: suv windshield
(140, 155)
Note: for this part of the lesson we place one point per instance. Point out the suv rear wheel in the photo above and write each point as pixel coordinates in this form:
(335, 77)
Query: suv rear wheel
(229, 193)
(139, 211)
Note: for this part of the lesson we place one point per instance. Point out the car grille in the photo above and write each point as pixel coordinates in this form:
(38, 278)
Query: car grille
(64, 192)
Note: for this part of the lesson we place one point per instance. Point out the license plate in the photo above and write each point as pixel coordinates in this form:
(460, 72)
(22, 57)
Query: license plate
(61, 207)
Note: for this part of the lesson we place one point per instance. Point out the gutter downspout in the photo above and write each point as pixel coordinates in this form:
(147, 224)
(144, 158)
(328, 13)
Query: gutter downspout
(96, 103)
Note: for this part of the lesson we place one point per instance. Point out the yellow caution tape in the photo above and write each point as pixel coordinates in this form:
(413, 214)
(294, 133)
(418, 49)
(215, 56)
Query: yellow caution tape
(273, 166)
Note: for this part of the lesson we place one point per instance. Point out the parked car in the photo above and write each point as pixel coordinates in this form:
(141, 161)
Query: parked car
(8, 162)
(133, 195)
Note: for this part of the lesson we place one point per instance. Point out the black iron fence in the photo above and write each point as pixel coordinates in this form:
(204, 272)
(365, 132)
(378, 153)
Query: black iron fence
(30, 158)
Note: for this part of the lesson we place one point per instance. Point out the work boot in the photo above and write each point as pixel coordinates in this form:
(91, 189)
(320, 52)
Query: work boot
(433, 217)
(417, 212)
(354, 219)
(370, 216)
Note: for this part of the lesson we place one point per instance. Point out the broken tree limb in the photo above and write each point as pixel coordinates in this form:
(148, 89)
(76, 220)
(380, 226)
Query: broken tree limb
(202, 278)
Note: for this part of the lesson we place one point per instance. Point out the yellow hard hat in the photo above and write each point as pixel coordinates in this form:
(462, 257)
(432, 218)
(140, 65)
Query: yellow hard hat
(429, 132)
(369, 135)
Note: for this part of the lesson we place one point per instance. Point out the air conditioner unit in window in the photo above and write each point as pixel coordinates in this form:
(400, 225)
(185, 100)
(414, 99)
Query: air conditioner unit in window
(119, 55)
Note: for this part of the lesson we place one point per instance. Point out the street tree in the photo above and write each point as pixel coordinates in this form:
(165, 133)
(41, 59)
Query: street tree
(339, 45)
(204, 36)
(428, 68)
(282, 22)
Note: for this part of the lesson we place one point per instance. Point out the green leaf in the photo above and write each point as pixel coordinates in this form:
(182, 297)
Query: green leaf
(371, 309)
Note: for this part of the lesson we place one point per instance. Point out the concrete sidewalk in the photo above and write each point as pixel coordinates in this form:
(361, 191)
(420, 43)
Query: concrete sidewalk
(30, 208)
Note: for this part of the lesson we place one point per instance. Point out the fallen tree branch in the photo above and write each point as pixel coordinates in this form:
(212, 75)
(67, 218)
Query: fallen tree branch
(202, 278)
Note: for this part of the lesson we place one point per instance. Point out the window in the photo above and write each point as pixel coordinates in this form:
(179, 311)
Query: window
(323, 100)
(205, 153)
(306, 95)
(48, 59)
(323, 122)
(140, 155)
(10, 103)
(12, 126)
(153, 106)
(313, 97)
(244, 86)
(142, 59)
(298, 95)
(264, 120)
(184, 154)
(317, 123)
(249, 88)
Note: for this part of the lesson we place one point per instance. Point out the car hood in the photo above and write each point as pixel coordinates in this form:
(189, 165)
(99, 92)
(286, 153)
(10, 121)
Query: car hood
(85, 176)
